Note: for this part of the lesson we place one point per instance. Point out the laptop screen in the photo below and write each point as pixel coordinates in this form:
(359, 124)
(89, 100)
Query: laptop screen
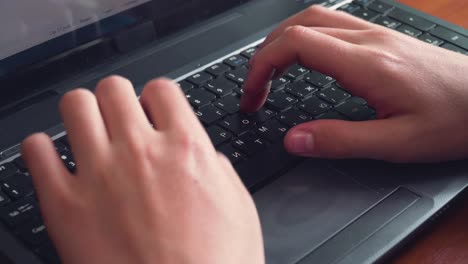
(39, 31)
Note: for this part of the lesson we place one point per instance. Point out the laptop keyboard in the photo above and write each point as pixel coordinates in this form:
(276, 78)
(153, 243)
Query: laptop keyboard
(252, 142)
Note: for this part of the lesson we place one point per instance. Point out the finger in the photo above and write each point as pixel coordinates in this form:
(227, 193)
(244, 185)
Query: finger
(51, 179)
(85, 126)
(167, 107)
(318, 16)
(348, 35)
(310, 48)
(120, 108)
(378, 139)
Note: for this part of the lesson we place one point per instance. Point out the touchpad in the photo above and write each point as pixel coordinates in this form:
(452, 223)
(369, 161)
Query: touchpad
(307, 206)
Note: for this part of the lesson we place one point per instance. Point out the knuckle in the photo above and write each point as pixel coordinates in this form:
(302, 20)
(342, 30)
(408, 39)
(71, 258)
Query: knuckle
(295, 34)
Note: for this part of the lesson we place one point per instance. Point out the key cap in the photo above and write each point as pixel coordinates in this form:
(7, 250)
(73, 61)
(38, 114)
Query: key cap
(362, 2)
(234, 155)
(185, 86)
(262, 115)
(218, 69)
(318, 79)
(279, 84)
(19, 162)
(236, 61)
(333, 95)
(68, 161)
(387, 22)
(7, 170)
(33, 232)
(220, 86)
(229, 103)
(349, 8)
(431, 39)
(367, 15)
(301, 89)
(218, 135)
(199, 98)
(237, 123)
(296, 72)
(412, 20)
(280, 101)
(451, 36)
(332, 115)
(250, 143)
(379, 7)
(248, 53)
(19, 212)
(238, 75)
(17, 186)
(4, 199)
(454, 48)
(209, 114)
(272, 130)
(293, 117)
(314, 106)
(200, 78)
(410, 31)
(355, 110)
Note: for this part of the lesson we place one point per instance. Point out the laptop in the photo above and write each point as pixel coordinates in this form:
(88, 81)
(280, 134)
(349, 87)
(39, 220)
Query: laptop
(311, 210)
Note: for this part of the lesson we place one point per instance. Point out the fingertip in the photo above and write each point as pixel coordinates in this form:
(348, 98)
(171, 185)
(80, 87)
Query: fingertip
(33, 142)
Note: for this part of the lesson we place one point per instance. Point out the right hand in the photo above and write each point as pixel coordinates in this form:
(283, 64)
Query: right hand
(419, 91)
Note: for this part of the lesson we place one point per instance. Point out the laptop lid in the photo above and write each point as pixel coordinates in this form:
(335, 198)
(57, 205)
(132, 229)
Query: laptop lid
(48, 40)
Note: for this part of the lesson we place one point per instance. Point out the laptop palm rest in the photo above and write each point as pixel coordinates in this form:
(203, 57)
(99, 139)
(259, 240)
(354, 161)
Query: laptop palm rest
(311, 204)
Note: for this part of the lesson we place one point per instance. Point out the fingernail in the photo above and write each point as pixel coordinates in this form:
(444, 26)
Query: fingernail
(301, 142)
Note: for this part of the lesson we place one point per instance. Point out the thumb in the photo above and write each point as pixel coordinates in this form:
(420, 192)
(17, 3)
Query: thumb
(383, 139)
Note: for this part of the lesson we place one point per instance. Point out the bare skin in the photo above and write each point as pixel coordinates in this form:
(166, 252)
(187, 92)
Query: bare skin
(418, 90)
(162, 194)
(141, 194)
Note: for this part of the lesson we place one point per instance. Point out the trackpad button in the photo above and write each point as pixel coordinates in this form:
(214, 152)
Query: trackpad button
(307, 206)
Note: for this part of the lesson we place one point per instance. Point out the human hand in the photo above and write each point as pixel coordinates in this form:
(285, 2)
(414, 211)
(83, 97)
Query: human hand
(141, 194)
(419, 91)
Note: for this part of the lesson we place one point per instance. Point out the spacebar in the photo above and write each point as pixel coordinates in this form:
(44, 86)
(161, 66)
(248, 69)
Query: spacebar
(266, 164)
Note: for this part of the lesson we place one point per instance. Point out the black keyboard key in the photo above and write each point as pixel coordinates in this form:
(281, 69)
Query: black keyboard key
(237, 123)
(454, 48)
(234, 155)
(238, 75)
(34, 232)
(250, 143)
(272, 130)
(218, 135)
(7, 170)
(236, 61)
(411, 19)
(301, 89)
(293, 117)
(48, 253)
(17, 186)
(262, 115)
(220, 86)
(185, 86)
(200, 78)
(279, 83)
(410, 31)
(248, 53)
(210, 114)
(332, 115)
(333, 95)
(217, 69)
(296, 72)
(19, 212)
(387, 22)
(363, 2)
(4, 199)
(431, 39)
(19, 162)
(318, 79)
(365, 14)
(199, 98)
(280, 101)
(229, 103)
(68, 161)
(379, 7)
(355, 110)
(349, 8)
(314, 106)
(451, 36)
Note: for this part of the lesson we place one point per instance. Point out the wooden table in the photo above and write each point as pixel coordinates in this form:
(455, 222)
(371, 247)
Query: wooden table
(447, 241)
